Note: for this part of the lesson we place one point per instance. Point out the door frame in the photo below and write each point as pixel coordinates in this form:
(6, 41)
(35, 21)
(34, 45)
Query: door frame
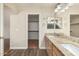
(1, 31)
(31, 13)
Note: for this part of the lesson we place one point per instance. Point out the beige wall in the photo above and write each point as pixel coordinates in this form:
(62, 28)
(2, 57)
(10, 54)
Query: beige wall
(66, 18)
(7, 12)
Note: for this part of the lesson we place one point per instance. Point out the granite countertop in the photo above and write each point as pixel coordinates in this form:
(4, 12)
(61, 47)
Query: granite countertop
(58, 41)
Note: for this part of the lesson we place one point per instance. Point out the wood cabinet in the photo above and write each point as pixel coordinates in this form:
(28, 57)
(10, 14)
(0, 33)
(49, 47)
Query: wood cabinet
(52, 50)
(56, 51)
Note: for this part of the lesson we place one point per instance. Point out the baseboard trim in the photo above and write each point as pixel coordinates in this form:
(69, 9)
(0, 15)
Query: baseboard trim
(42, 48)
(18, 47)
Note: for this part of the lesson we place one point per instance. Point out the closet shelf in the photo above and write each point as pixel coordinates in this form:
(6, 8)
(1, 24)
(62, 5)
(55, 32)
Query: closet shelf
(33, 21)
(74, 23)
(33, 31)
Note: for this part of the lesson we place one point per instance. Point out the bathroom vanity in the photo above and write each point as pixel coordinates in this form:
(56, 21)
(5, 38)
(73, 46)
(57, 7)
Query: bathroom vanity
(61, 46)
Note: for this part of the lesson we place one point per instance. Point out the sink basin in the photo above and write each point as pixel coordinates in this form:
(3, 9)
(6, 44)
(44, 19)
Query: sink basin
(73, 49)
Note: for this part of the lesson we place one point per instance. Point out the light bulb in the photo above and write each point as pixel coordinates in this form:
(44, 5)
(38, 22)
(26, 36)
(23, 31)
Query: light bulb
(56, 10)
(66, 7)
(58, 7)
(62, 10)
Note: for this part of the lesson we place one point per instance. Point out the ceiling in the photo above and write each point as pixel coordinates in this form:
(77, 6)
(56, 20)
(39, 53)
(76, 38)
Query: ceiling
(35, 4)
(23, 6)
(19, 6)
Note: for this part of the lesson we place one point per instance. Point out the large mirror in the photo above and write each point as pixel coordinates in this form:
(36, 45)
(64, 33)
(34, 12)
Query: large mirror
(54, 23)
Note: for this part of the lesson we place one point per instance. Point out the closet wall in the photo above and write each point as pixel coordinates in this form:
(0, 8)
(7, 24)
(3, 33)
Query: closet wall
(33, 31)
(74, 26)
(33, 26)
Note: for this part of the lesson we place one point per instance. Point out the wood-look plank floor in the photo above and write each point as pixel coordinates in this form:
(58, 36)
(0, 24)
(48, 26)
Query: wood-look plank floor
(27, 52)
(33, 43)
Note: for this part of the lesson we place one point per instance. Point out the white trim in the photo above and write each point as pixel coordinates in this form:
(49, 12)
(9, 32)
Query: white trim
(18, 48)
(33, 13)
(26, 30)
(42, 48)
(2, 29)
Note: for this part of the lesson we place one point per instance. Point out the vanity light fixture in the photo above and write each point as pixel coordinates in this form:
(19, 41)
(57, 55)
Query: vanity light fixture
(71, 4)
(58, 8)
(61, 7)
(66, 7)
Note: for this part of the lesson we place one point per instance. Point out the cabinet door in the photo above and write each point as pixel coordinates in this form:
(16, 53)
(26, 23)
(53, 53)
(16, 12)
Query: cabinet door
(48, 46)
(18, 32)
(56, 52)
(46, 42)
(50, 49)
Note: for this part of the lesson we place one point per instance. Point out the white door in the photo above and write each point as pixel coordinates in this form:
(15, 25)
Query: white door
(18, 32)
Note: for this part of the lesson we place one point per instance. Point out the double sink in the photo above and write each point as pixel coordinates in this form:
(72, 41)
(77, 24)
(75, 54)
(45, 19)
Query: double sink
(69, 46)
(72, 48)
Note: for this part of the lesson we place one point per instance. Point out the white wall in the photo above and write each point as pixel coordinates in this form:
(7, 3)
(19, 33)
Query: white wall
(43, 14)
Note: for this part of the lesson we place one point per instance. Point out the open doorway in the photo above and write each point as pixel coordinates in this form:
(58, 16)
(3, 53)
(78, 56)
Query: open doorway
(33, 31)
(74, 25)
